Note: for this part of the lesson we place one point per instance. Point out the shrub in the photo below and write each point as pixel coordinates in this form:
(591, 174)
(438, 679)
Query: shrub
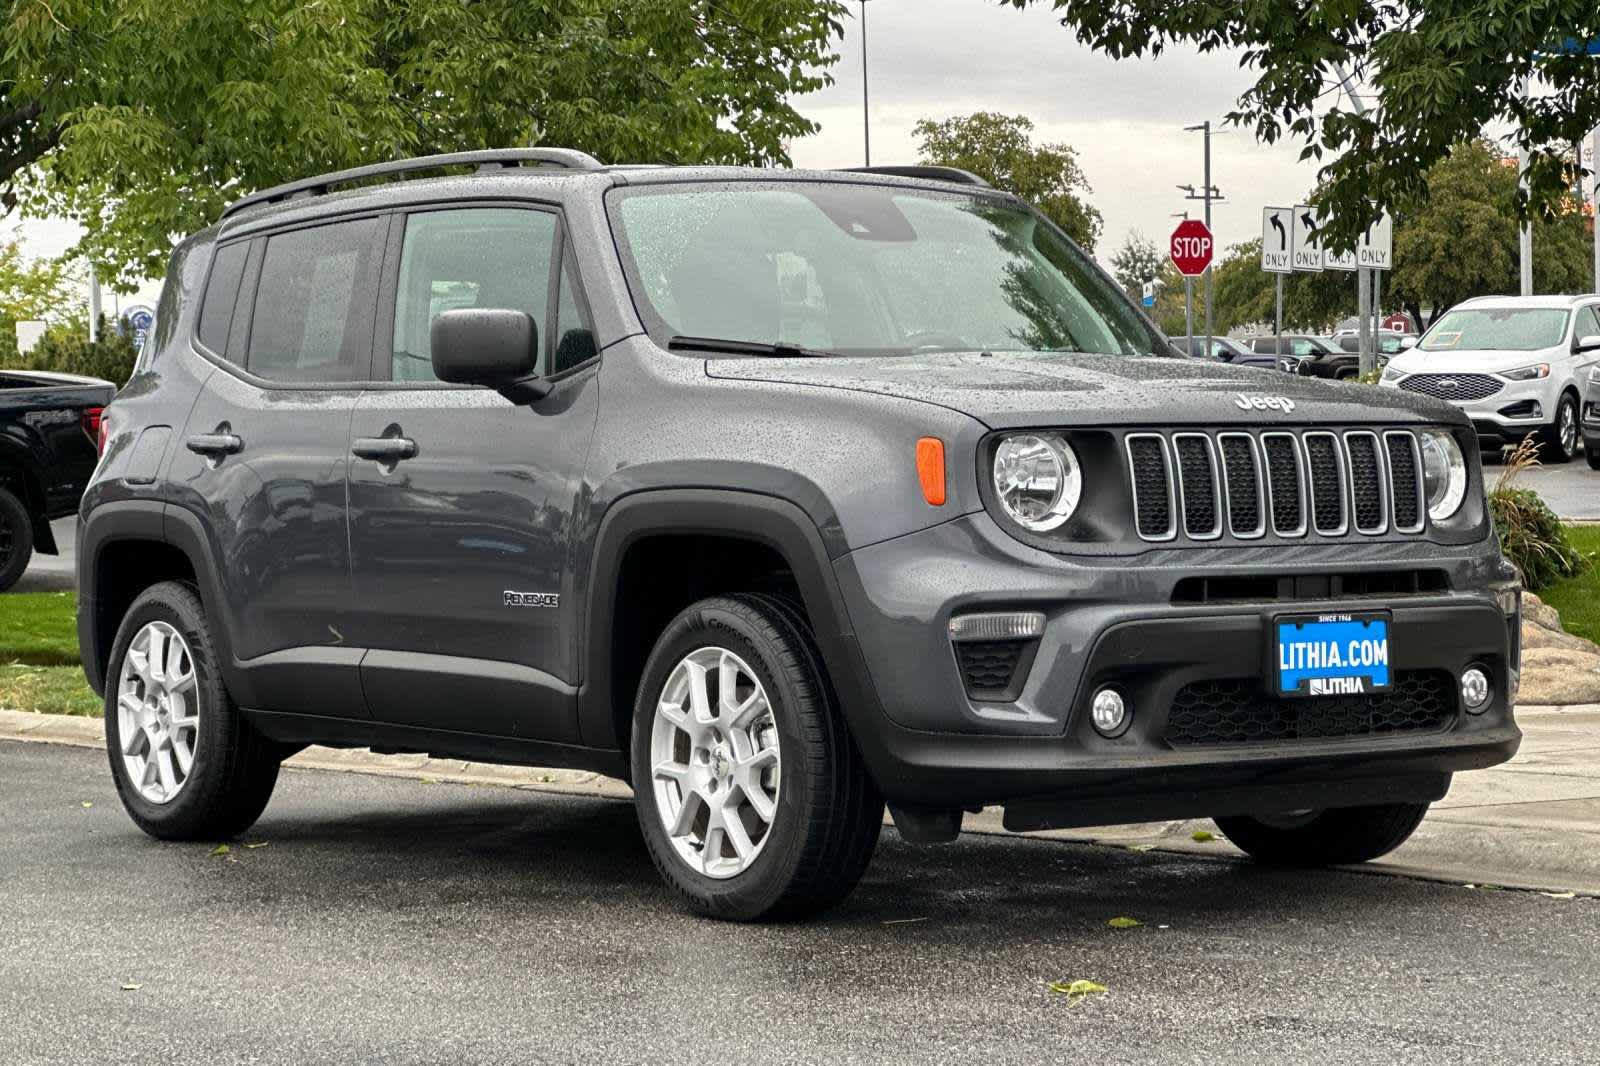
(1531, 535)
(68, 350)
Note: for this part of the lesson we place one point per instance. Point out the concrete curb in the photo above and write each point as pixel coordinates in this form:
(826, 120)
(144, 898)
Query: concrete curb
(1499, 828)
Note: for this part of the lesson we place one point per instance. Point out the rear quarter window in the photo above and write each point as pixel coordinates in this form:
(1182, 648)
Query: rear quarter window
(222, 292)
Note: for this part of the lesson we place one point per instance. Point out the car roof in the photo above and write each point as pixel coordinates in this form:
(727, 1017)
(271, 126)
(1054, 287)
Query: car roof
(1560, 300)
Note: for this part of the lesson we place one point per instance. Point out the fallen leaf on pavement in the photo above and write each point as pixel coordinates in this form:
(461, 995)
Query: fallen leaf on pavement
(1124, 923)
(258, 844)
(1560, 895)
(1201, 836)
(1141, 847)
(1077, 989)
(221, 849)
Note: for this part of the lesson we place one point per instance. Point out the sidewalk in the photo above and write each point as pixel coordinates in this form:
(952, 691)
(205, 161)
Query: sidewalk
(1533, 823)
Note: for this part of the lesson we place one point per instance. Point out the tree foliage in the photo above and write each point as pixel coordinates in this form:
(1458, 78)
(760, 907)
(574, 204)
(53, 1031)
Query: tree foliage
(1000, 149)
(142, 119)
(1137, 261)
(32, 289)
(67, 349)
(1442, 70)
(1460, 240)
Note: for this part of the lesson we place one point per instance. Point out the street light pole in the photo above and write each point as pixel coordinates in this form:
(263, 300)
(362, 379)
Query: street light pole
(866, 113)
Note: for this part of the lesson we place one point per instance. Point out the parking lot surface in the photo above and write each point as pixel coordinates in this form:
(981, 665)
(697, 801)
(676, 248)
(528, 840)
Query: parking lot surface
(388, 921)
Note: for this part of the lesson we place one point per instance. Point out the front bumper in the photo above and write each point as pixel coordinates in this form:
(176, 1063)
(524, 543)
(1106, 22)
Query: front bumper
(1517, 410)
(1116, 622)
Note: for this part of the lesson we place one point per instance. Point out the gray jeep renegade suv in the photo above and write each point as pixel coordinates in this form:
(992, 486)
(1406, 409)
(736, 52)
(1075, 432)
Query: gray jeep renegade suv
(783, 496)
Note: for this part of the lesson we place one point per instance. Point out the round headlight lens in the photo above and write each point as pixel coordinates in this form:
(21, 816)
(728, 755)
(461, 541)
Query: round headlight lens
(1444, 473)
(1037, 480)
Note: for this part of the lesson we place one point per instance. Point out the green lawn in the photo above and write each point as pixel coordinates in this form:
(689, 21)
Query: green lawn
(1578, 598)
(39, 666)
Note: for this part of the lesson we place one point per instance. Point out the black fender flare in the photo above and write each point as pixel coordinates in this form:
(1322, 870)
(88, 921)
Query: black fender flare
(766, 520)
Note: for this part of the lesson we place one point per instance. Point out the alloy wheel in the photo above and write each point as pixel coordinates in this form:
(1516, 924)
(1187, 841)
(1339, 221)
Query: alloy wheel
(158, 712)
(715, 764)
(1568, 428)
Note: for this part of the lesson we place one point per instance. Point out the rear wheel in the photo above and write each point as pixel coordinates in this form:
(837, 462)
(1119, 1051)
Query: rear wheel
(1333, 837)
(751, 795)
(186, 763)
(1591, 451)
(16, 539)
(1560, 438)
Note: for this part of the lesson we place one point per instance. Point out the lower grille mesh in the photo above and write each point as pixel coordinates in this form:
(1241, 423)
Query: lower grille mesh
(1237, 711)
(988, 665)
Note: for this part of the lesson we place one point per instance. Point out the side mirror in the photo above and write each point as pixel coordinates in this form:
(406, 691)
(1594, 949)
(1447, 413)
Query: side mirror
(1590, 343)
(1407, 343)
(489, 346)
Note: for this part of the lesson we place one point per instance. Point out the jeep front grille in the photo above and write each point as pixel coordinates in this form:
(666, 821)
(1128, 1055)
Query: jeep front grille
(1291, 483)
(1453, 386)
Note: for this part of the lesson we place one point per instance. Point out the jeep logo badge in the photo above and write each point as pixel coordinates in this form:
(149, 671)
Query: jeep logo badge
(1263, 403)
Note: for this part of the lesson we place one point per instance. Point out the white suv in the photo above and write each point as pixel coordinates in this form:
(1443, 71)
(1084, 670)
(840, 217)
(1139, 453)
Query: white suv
(1517, 365)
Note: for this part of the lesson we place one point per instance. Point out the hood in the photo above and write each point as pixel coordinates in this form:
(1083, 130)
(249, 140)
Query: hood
(1015, 389)
(1470, 360)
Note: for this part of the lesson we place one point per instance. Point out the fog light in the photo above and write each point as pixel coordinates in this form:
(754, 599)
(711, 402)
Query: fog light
(1109, 713)
(1475, 689)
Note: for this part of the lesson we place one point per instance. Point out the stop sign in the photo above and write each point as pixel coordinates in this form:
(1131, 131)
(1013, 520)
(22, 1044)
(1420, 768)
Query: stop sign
(1191, 247)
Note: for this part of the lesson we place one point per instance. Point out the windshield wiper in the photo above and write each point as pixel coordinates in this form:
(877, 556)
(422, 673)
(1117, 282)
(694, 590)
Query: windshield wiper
(780, 349)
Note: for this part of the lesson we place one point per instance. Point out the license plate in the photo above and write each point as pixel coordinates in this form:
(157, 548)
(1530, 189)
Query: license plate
(1331, 654)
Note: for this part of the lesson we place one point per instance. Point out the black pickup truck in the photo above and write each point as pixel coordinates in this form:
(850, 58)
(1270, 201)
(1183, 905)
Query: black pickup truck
(49, 444)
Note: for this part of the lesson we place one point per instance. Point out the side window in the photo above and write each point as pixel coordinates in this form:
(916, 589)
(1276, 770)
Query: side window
(574, 335)
(1588, 323)
(314, 303)
(222, 291)
(1304, 347)
(481, 257)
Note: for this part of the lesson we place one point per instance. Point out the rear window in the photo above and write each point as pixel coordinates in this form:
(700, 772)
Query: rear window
(314, 304)
(1511, 329)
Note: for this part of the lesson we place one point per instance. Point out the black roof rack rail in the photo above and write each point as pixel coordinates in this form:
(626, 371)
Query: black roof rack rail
(953, 174)
(488, 159)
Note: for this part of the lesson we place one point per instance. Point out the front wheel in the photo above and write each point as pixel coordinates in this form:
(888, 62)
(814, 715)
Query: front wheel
(751, 795)
(187, 764)
(1592, 453)
(1560, 438)
(1334, 837)
(16, 539)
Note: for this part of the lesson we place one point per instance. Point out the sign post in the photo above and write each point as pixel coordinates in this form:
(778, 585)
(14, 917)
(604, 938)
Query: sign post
(1191, 248)
(1277, 257)
(1374, 254)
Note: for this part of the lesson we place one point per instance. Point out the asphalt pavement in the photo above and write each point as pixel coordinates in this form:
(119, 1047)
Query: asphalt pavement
(1571, 489)
(386, 921)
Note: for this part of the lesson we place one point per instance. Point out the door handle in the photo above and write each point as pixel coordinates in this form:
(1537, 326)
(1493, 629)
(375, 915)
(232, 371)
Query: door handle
(214, 444)
(384, 449)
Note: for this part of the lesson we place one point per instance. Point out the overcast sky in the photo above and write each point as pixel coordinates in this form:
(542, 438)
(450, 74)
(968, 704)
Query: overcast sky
(938, 58)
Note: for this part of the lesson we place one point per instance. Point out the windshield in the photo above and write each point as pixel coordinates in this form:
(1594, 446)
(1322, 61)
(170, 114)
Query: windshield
(1511, 329)
(865, 270)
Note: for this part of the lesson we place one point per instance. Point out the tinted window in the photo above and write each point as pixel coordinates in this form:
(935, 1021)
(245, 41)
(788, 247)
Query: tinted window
(314, 304)
(574, 335)
(492, 257)
(216, 309)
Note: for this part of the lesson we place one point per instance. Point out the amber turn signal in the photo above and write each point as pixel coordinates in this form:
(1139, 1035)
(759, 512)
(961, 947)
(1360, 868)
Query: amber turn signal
(930, 469)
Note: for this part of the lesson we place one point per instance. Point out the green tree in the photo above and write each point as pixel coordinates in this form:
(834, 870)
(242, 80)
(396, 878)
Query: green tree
(32, 289)
(141, 119)
(1138, 260)
(1442, 70)
(1000, 149)
(1459, 239)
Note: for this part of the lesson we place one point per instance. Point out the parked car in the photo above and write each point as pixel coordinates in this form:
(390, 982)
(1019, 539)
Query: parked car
(1225, 350)
(1304, 354)
(1516, 365)
(1591, 419)
(701, 478)
(49, 428)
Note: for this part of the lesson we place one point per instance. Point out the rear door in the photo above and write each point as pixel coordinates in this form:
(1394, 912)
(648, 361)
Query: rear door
(461, 552)
(288, 318)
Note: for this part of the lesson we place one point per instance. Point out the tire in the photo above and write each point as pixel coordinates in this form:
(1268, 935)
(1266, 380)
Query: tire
(827, 813)
(233, 768)
(1559, 440)
(1591, 452)
(1335, 837)
(16, 539)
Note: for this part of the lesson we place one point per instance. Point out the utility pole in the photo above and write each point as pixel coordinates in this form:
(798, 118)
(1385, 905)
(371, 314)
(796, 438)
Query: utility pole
(94, 306)
(1525, 244)
(1366, 360)
(1594, 165)
(1208, 193)
(866, 112)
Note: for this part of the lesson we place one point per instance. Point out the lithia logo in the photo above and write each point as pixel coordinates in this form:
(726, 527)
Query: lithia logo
(531, 599)
(1263, 403)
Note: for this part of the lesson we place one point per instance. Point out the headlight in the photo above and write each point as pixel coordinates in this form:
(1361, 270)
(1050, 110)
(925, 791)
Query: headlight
(1594, 374)
(1391, 373)
(1038, 480)
(1528, 373)
(1444, 473)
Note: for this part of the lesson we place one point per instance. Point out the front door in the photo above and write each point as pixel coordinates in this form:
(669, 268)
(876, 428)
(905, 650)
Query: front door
(461, 540)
